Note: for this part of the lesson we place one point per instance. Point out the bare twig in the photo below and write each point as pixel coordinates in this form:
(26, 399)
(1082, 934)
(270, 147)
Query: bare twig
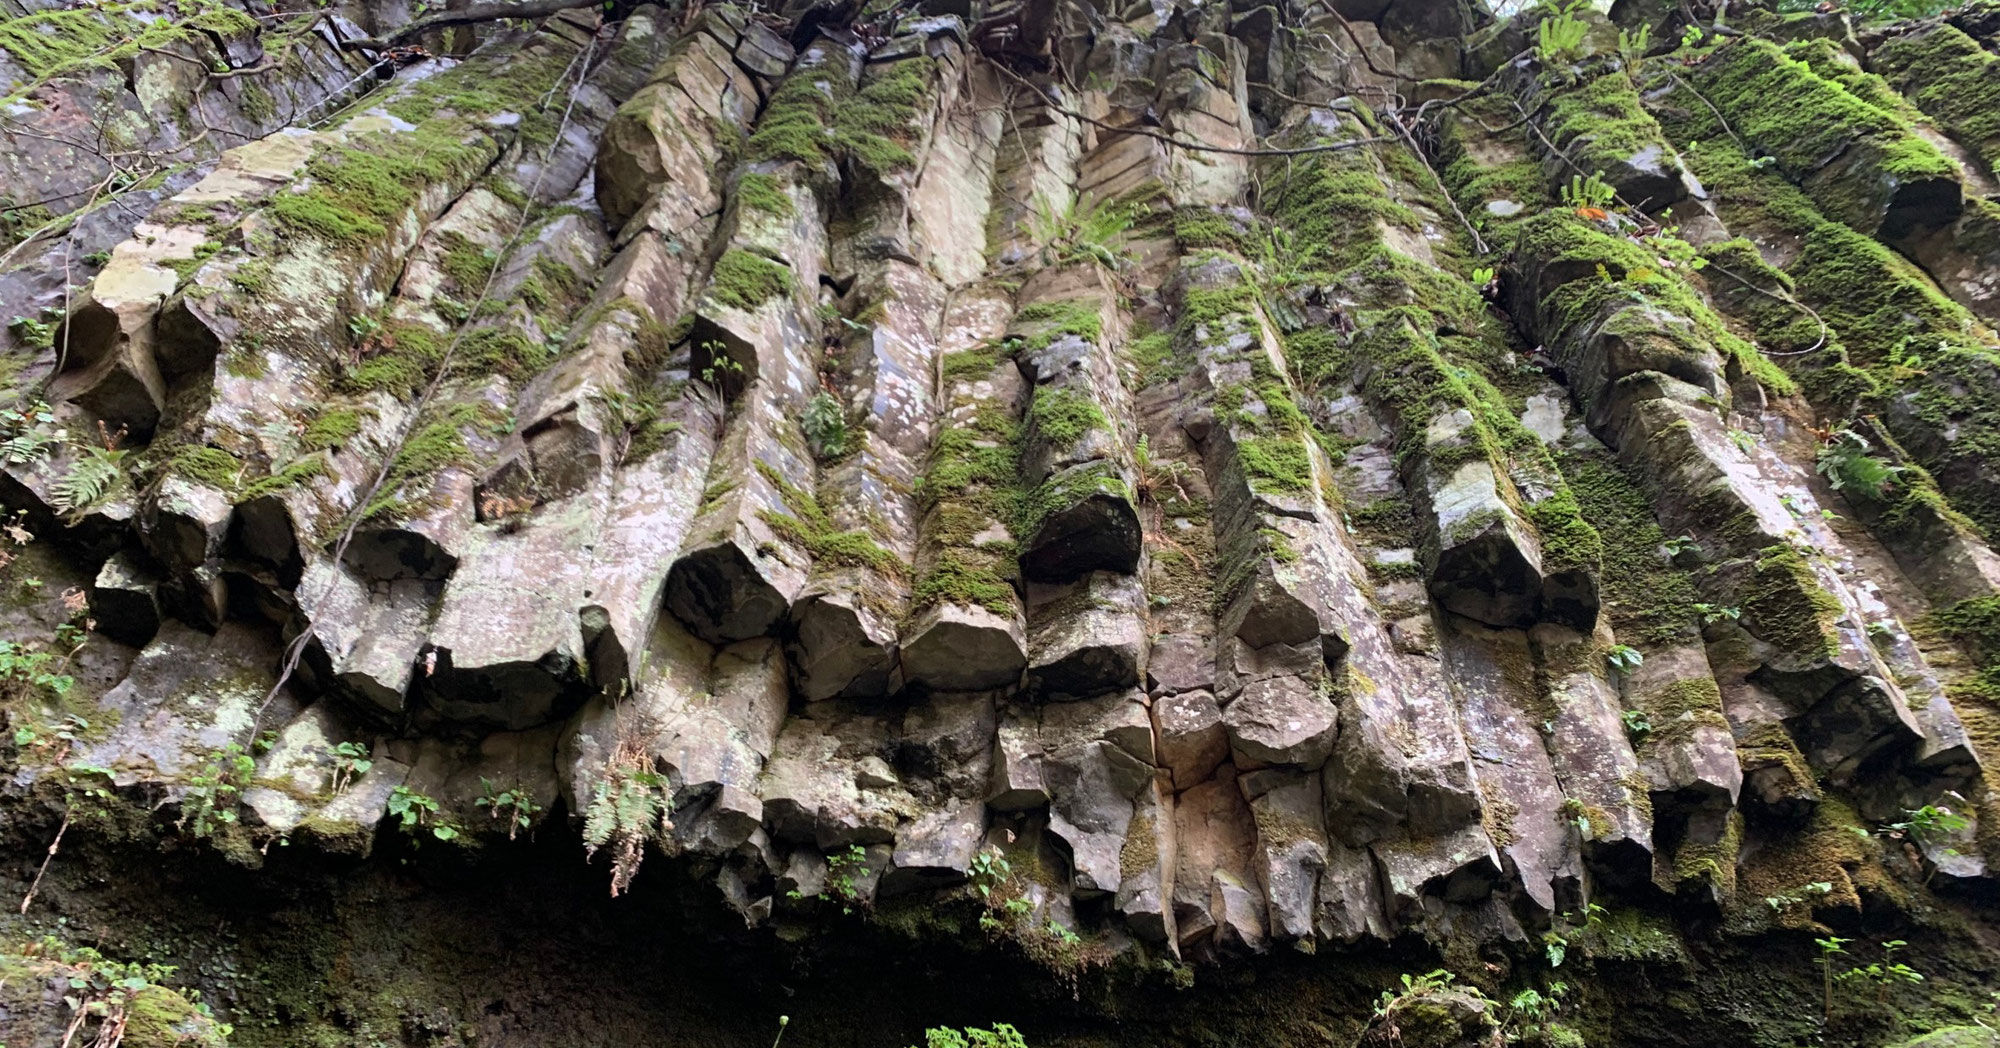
(466, 16)
(29, 898)
(1330, 147)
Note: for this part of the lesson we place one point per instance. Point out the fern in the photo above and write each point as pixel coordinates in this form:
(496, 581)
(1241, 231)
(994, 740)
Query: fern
(90, 478)
(825, 426)
(1560, 38)
(627, 809)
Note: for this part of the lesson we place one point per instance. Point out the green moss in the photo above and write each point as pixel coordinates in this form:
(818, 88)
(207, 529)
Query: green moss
(403, 366)
(885, 110)
(1276, 464)
(798, 121)
(499, 351)
(207, 465)
(1066, 489)
(1044, 322)
(971, 365)
(764, 194)
(1601, 122)
(59, 44)
(1644, 595)
(292, 475)
(1781, 106)
(964, 578)
(1784, 604)
(1061, 417)
(745, 281)
(331, 428)
(1203, 227)
(812, 530)
(466, 263)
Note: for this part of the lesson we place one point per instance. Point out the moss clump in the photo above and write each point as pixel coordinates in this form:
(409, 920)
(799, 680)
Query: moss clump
(292, 475)
(798, 120)
(971, 365)
(1784, 604)
(1061, 417)
(809, 528)
(1601, 122)
(207, 465)
(745, 281)
(467, 264)
(883, 111)
(56, 44)
(1036, 326)
(1065, 489)
(499, 351)
(356, 190)
(764, 194)
(1952, 79)
(1202, 227)
(404, 363)
(1644, 594)
(1779, 105)
(956, 578)
(1275, 464)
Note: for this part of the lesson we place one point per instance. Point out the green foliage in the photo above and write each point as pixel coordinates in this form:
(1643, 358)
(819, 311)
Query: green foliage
(628, 807)
(1590, 191)
(416, 812)
(28, 433)
(825, 426)
(1559, 37)
(215, 790)
(989, 870)
(1632, 46)
(113, 1003)
(516, 805)
(96, 472)
(1072, 233)
(1845, 462)
(1000, 1035)
(1624, 658)
(1415, 987)
(843, 870)
(1637, 725)
(350, 762)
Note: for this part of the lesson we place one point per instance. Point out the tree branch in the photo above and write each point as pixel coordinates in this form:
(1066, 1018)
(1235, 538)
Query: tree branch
(466, 16)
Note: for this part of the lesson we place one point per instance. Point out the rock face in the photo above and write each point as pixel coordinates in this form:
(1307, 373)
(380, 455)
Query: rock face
(1173, 487)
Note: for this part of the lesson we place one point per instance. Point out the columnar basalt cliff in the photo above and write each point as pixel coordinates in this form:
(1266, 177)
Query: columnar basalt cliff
(1154, 523)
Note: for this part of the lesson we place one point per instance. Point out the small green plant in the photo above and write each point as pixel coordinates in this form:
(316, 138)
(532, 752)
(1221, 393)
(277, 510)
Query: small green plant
(1632, 46)
(1673, 251)
(1484, 276)
(350, 762)
(36, 333)
(1744, 442)
(28, 433)
(1000, 1035)
(214, 791)
(363, 328)
(1624, 658)
(1798, 896)
(1061, 934)
(1710, 614)
(721, 366)
(1829, 947)
(1690, 37)
(1680, 544)
(843, 871)
(1637, 725)
(416, 812)
(825, 426)
(1559, 38)
(1589, 194)
(92, 476)
(515, 805)
(1884, 973)
(627, 808)
(989, 870)
(1071, 232)
(1844, 460)
(1413, 987)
